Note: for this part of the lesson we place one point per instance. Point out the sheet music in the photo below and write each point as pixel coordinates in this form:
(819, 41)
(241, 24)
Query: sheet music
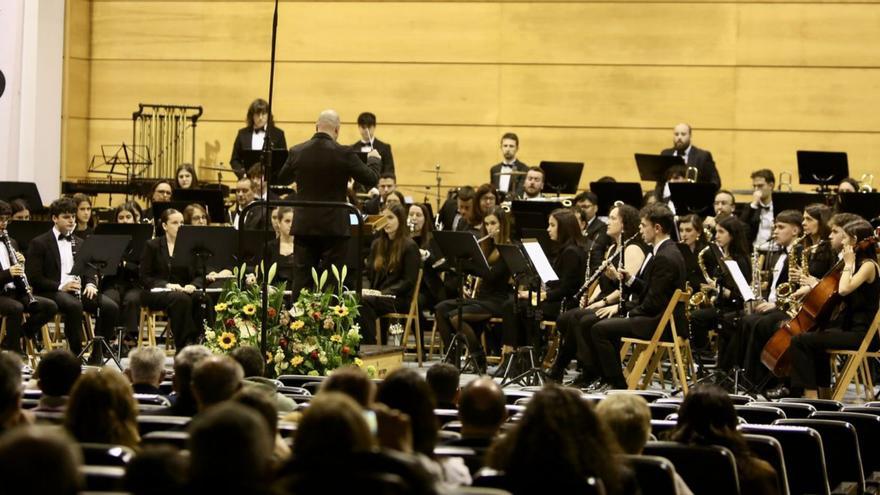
(742, 284)
(539, 261)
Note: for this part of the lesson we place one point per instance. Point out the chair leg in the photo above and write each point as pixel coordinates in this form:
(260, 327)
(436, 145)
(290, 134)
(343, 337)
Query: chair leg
(418, 339)
(679, 366)
(378, 332)
(868, 380)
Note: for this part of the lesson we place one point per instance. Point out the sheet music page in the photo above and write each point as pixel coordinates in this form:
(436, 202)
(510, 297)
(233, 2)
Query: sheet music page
(741, 283)
(539, 261)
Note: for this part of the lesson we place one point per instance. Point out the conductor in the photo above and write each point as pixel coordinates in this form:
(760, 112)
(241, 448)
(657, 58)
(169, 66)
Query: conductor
(321, 169)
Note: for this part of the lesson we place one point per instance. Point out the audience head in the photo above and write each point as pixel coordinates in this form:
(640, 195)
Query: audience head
(707, 417)
(184, 362)
(63, 211)
(763, 182)
(251, 360)
(629, 419)
(195, 214)
(263, 403)
(443, 379)
(534, 183)
(481, 408)
(102, 409)
(20, 210)
(332, 426)
(128, 212)
(215, 379)
(367, 126)
(162, 191)
(657, 222)
(38, 461)
(328, 123)
(509, 146)
(146, 366)
(387, 183)
(404, 389)
(258, 114)
(57, 372)
(10, 390)
(563, 227)
(353, 382)
(186, 177)
(156, 470)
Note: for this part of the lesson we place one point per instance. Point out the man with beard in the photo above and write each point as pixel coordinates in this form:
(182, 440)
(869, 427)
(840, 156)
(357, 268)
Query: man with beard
(693, 156)
(510, 186)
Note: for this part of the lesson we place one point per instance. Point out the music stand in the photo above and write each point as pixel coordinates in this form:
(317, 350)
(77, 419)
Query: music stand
(531, 215)
(140, 233)
(249, 158)
(654, 167)
(866, 205)
(101, 255)
(23, 231)
(629, 193)
(562, 177)
(822, 168)
(794, 201)
(693, 197)
(204, 247)
(159, 207)
(211, 199)
(27, 191)
(543, 237)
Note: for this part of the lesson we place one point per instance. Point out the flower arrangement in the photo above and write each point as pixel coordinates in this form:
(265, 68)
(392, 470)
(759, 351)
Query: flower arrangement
(238, 317)
(320, 332)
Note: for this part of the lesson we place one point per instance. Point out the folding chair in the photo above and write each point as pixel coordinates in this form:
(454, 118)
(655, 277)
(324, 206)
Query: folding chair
(411, 316)
(148, 322)
(647, 354)
(856, 365)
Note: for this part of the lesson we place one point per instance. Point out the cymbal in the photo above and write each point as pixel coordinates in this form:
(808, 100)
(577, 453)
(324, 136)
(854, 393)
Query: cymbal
(510, 173)
(436, 172)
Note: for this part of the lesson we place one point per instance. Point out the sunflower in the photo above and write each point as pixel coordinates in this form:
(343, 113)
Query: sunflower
(297, 360)
(297, 324)
(227, 340)
(249, 309)
(336, 338)
(340, 311)
(220, 307)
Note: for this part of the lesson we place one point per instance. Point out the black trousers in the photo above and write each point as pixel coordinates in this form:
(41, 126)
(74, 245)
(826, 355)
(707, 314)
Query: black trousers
(13, 307)
(373, 307)
(521, 321)
(185, 313)
(572, 340)
(129, 300)
(756, 331)
(71, 309)
(318, 252)
(810, 364)
(472, 310)
(605, 338)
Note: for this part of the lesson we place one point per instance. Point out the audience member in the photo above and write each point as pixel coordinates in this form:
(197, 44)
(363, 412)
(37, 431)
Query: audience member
(39, 461)
(158, 470)
(254, 366)
(57, 372)
(102, 409)
(443, 379)
(263, 403)
(229, 451)
(146, 369)
(183, 403)
(215, 380)
(482, 411)
(11, 414)
(353, 382)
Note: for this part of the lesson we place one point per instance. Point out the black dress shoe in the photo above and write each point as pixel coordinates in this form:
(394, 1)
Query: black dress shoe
(584, 380)
(779, 392)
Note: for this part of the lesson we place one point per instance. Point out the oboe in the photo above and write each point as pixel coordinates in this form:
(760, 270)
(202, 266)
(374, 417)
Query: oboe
(21, 283)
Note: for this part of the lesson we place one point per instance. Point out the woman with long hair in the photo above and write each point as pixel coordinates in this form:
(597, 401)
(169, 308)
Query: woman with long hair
(281, 248)
(485, 199)
(391, 272)
(707, 417)
(816, 247)
(102, 409)
(421, 227)
(85, 220)
(127, 212)
(489, 294)
(691, 242)
(185, 177)
(195, 214)
(124, 286)
(623, 227)
(161, 192)
(253, 136)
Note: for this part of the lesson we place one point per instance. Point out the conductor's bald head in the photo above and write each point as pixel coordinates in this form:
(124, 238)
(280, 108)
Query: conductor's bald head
(328, 123)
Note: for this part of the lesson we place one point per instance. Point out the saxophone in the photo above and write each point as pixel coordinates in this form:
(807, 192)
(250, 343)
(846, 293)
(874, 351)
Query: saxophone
(785, 291)
(703, 297)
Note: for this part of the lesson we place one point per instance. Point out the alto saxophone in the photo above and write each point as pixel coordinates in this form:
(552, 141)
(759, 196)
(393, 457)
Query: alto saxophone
(785, 292)
(703, 297)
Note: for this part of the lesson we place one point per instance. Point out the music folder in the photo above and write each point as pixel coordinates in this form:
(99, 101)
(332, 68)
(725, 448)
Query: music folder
(742, 285)
(539, 261)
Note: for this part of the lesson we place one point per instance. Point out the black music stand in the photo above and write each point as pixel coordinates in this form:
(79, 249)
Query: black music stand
(140, 233)
(823, 168)
(159, 207)
(693, 198)
(562, 177)
(531, 215)
(794, 200)
(22, 190)
(252, 157)
(866, 205)
(23, 231)
(654, 167)
(543, 237)
(100, 255)
(205, 247)
(211, 199)
(467, 258)
(629, 193)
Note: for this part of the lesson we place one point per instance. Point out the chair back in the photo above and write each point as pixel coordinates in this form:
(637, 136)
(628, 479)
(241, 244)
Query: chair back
(106, 454)
(769, 450)
(760, 415)
(803, 453)
(791, 409)
(152, 400)
(868, 430)
(819, 404)
(662, 411)
(648, 395)
(103, 478)
(660, 426)
(655, 475)
(147, 423)
(841, 446)
(177, 439)
(705, 469)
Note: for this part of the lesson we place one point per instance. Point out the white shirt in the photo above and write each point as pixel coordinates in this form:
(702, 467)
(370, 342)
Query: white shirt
(4, 263)
(257, 139)
(504, 180)
(366, 147)
(765, 228)
(684, 154)
(66, 251)
(777, 271)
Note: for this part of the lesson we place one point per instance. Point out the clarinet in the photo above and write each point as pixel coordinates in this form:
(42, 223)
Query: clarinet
(601, 268)
(621, 303)
(76, 294)
(21, 283)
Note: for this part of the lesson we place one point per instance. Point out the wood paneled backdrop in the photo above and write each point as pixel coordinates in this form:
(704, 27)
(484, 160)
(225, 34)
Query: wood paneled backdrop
(577, 80)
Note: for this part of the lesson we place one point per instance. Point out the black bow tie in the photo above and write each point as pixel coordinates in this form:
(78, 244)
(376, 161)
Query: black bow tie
(65, 237)
(259, 131)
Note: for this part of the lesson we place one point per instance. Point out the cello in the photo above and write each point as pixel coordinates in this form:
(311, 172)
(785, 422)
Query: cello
(815, 310)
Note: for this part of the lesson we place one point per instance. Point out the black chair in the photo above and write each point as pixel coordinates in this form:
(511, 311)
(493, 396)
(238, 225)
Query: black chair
(284, 389)
(792, 410)
(512, 396)
(655, 475)
(660, 426)
(819, 404)
(452, 426)
(648, 395)
(299, 380)
(287, 429)
(670, 400)
(487, 478)
(769, 449)
(146, 424)
(152, 400)
(862, 410)
(841, 446)
(705, 469)
(662, 410)
(804, 458)
(49, 417)
(378, 483)
(105, 454)
(29, 403)
(103, 478)
(740, 400)
(311, 387)
(176, 439)
(166, 388)
(759, 415)
(868, 430)
(871, 404)
(446, 415)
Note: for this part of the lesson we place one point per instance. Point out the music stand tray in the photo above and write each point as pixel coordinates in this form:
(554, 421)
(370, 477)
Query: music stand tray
(693, 197)
(866, 205)
(211, 199)
(561, 177)
(794, 201)
(212, 247)
(653, 167)
(629, 193)
(27, 191)
(139, 233)
(822, 168)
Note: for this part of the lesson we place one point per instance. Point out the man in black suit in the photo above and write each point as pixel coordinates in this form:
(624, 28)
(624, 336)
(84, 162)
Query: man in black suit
(693, 156)
(49, 261)
(648, 293)
(369, 141)
(13, 300)
(322, 168)
(245, 194)
(509, 186)
(759, 214)
(253, 136)
(387, 183)
(595, 231)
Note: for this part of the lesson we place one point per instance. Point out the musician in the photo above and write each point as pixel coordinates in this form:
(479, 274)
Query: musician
(387, 183)
(49, 262)
(724, 206)
(127, 212)
(623, 227)
(366, 122)
(465, 218)
(508, 186)
(257, 173)
(160, 193)
(588, 202)
(245, 195)
(421, 229)
(822, 258)
(569, 264)
(596, 241)
(486, 199)
(281, 248)
(693, 156)
(195, 214)
(395, 198)
(20, 210)
(185, 177)
(652, 287)
(14, 302)
(322, 168)
(692, 241)
(859, 287)
(758, 217)
(848, 185)
(178, 297)
(253, 136)
(124, 287)
(392, 270)
(534, 184)
(491, 292)
(85, 222)
(662, 194)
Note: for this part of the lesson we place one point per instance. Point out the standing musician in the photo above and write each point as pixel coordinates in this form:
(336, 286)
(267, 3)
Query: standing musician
(49, 262)
(488, 294)
(509, 186)
(759, 215)
(573, 325)
(253, 136)
(859, 286)
(569, 264)
(693, 156)
(366, 122)
(392, 270)
(652, 287)
(691, 242)
(177, 296)
(14, 299)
